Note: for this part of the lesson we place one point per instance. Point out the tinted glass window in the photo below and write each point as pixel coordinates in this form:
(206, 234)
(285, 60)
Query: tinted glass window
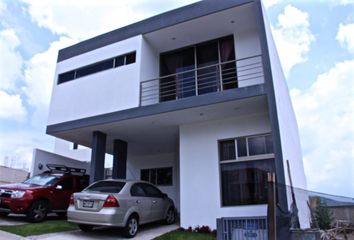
(42, 180)
(246, 182)
(260, 145)
(106, 187)
(241, 147)
(137, 190)
(82, 182)
(67, 184)
(164, 176)
(269, 144)
(64, 77)
(227, 150)
(145, 175)
(130, 58)
(151, 191)
(119, 61)
(97, 67)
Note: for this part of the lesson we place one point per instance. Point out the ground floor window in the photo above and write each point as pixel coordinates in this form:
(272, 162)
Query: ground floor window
(157, 176)
(245, 182)
(244, 164)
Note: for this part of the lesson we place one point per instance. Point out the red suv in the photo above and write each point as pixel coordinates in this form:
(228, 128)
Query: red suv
(43, 193)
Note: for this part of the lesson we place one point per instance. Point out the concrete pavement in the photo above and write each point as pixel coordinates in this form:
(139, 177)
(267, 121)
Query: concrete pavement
(146, 232)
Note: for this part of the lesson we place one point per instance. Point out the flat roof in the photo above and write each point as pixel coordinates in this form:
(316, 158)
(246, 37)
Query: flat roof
(151, 24)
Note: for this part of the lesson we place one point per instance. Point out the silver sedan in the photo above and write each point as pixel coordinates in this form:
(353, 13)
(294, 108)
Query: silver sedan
(120, 203)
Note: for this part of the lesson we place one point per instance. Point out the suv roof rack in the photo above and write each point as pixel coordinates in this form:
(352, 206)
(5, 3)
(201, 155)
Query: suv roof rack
(64, 169)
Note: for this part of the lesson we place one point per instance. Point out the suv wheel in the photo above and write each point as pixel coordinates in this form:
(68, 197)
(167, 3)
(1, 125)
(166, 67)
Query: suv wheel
(38, 211)
(131, 227)
(85, 228)
(170, 216)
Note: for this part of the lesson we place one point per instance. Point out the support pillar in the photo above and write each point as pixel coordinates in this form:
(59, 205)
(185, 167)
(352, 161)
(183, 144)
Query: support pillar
(97, 156)
(120, 150)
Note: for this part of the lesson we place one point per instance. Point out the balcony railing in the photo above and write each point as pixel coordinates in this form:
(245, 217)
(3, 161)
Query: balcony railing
(211, 78)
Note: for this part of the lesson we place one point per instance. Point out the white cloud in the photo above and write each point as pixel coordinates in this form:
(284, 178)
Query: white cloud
(325, 114)
(80, 21)
(345, 36)
(39, 77)
(270, 3)
(342, 2)
(10, 61)
(293, 37)
(3, 7)
(11, 107)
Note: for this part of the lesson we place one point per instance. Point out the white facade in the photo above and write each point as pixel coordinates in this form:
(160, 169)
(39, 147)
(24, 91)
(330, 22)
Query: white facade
(183, 133)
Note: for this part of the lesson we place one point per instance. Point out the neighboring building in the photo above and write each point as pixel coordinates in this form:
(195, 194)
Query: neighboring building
(12, 175)
(193, 100)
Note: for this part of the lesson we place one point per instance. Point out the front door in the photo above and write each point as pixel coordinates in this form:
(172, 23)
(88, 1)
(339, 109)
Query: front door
(61, 193)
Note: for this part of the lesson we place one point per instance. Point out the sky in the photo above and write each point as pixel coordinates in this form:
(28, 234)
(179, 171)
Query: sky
(315, 42)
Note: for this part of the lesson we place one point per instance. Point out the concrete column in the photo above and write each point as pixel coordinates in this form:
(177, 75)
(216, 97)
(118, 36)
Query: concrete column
(120, 150)
(97, 156)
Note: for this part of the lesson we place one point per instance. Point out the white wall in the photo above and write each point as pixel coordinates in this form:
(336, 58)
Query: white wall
(12, 175)
(137, 162)
(44, 158)
(199, 169)
(247, 45)
(103, 92)
(289, 135)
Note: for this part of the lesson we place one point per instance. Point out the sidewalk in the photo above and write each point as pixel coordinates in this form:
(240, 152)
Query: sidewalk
(147, 232)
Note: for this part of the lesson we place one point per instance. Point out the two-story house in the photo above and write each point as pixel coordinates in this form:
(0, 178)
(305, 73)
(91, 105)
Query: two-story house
(193, 100)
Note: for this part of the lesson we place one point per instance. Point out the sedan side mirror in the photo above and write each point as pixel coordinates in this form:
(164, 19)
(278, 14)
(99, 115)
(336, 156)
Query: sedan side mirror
(164, 195)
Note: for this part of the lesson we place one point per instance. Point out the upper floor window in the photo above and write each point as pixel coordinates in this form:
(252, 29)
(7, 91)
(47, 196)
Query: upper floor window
(97, 67)
(199, 69)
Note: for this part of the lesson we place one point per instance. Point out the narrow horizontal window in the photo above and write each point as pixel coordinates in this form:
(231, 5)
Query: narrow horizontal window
(130, 58)
(65, 77)
(97, 67)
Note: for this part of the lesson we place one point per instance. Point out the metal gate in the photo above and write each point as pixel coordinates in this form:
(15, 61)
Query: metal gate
(242, 228)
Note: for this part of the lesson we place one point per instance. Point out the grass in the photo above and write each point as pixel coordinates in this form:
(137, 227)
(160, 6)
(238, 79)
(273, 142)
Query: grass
(40, 228)
(185, 235)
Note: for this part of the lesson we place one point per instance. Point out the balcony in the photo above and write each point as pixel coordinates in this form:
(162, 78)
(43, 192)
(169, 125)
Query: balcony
(203, 80)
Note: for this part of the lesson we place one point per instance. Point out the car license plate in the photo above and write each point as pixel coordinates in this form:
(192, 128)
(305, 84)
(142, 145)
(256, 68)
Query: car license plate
(87, 204)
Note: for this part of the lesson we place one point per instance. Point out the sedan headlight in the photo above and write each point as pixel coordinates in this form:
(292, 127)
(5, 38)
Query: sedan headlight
(17, 194)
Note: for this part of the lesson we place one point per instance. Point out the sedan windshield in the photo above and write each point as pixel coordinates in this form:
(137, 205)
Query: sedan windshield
(106, 187)
(42, 180)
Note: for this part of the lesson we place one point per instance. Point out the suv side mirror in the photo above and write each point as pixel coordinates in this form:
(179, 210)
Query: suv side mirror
(164, 195)
(59, 187)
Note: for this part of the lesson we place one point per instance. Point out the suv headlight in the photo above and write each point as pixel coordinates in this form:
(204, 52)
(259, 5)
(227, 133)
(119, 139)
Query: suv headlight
(17, 194)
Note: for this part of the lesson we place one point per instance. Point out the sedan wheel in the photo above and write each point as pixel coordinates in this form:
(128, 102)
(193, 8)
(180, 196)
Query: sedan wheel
(131, 228)
(37, 212)
(170, 216)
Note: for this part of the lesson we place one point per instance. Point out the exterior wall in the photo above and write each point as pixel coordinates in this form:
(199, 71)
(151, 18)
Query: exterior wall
(108, 91)
(199, 169)
(290, 140)
(65, 148)
(247, 45)
(12, 175)
(44, 158)
(137, 162)
(345, 213)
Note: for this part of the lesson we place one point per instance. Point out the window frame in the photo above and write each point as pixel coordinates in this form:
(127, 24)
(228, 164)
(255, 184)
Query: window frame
(156, 170)
(242, 159)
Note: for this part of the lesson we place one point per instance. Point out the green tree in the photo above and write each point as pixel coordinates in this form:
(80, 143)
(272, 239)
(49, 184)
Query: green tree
(323, 215)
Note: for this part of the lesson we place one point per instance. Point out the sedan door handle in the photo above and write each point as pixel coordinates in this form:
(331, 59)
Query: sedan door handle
(137, 201)
(153, 201)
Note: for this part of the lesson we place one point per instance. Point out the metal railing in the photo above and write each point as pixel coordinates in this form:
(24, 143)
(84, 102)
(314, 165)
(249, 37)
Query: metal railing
(212, 78)
(240, 228)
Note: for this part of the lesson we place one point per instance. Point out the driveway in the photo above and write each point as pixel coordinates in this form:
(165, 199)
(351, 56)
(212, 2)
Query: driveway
(146, 232)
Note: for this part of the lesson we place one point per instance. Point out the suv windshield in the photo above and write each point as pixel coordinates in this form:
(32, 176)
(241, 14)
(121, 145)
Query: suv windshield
(42, 180)
(106, 187)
